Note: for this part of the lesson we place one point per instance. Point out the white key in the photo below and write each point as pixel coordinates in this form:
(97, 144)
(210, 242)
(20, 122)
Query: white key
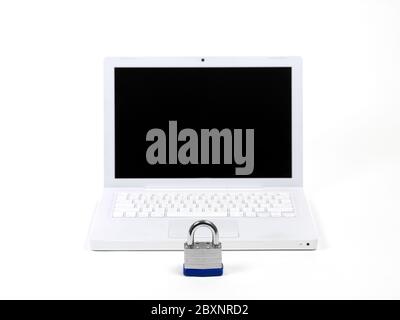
(196, 213)
(173, 213)
(123, 201)
(118, 214)
(215, 214)
(192, 211)
(260, 209)
(275, 214)
(122, 208)
(142, 214)
(274, 209)
(157, 214)
(289, 214)
(251, 214)
(130, 214)
(262, 214)
(236, 213)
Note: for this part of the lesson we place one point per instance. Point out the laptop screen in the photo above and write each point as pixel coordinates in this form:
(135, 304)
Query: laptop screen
(203, 122)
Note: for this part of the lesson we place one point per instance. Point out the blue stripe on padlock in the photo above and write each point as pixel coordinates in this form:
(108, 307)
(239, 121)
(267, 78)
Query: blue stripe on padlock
(203, 272)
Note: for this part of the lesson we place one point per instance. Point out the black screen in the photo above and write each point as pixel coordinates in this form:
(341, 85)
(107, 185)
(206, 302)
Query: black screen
(244, 106)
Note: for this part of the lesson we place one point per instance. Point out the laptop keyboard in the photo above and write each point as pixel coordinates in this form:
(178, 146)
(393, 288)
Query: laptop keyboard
(184, 204)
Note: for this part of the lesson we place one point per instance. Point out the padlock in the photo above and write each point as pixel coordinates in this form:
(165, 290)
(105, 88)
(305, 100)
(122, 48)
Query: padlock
(203, 259)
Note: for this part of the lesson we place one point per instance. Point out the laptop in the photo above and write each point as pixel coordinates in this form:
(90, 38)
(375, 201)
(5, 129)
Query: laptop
(215, 138)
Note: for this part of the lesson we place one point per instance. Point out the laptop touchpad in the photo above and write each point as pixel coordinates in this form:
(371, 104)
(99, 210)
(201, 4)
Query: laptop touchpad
(180, 228)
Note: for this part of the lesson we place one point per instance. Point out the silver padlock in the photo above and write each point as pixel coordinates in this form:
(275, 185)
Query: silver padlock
(203, 259)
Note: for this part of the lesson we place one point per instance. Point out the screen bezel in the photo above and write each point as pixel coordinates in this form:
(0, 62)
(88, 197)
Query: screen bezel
(202, 62)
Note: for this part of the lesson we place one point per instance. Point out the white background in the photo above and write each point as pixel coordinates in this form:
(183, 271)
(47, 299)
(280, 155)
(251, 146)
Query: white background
(51, 138)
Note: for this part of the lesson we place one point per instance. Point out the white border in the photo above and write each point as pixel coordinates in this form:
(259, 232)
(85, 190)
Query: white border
(297, 157)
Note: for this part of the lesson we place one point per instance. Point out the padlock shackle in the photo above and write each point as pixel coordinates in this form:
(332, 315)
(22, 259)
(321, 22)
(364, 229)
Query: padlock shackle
(200, 224)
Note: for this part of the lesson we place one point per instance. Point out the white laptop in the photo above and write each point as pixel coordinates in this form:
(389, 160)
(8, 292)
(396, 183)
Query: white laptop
(218, 138)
